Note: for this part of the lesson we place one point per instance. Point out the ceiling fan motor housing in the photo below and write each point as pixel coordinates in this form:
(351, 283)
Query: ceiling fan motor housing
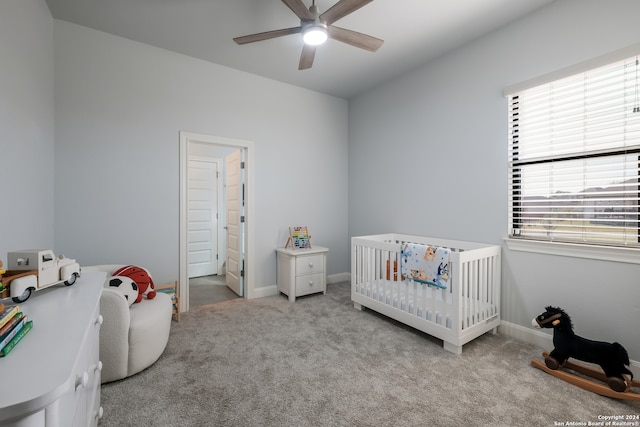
(314, 31)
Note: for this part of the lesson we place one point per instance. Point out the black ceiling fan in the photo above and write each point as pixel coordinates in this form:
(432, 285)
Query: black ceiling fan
(316, 28)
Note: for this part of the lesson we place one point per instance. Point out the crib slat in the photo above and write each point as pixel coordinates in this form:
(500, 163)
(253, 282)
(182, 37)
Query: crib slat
(485, 288)
(473, 303)
(423, 303)
(463, 285)
(434, 304)
(375, 262)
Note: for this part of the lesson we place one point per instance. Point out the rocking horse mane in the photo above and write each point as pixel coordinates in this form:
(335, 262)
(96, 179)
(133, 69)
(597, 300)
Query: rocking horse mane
(566, 319)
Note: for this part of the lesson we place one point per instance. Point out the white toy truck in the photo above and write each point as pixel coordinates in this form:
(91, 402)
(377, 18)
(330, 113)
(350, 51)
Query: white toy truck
(35, 269)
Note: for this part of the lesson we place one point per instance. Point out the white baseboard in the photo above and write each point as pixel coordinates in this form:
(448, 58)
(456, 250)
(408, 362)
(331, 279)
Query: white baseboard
(528, 335)
(269, 291)
(544, 340)
(265, 291)
(337, 278)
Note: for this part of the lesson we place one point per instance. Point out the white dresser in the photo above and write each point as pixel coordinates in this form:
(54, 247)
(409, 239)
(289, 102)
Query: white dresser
(52, 377)
(302, 271)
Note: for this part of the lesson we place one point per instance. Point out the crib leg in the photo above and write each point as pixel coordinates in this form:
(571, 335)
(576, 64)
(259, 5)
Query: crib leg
(455, 349)
(357, 306)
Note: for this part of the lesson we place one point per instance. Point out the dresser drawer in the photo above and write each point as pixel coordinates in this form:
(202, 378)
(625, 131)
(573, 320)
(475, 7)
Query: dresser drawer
(87, 373)
(309, 284)
(309, 264)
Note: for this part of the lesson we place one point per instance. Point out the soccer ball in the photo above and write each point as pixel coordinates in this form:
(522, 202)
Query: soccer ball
(126, 286)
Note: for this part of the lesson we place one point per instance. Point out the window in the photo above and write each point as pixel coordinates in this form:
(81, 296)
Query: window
(574, 157)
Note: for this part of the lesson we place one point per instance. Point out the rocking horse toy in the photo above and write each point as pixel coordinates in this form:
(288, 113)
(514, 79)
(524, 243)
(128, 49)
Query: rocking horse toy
(612, 358)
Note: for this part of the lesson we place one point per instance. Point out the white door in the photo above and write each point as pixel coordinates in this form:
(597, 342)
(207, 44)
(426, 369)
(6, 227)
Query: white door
(203, 218)
(235, 231)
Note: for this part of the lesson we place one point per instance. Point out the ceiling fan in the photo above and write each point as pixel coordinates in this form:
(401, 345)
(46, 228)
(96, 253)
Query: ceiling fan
(316, 28)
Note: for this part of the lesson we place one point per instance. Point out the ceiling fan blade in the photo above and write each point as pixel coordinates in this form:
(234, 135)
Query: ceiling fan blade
(342, 9)
(298, 7)
(306, 58)
(355, 38)
(267, 35)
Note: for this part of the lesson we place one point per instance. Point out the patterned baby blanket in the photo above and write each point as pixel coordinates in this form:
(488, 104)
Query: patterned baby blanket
(426, 264)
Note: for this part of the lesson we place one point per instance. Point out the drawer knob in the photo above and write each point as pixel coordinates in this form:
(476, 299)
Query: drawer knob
(310, 265)
(99, 320)
(98, 367)
(99, 413)
(82, 380)
(311, 283)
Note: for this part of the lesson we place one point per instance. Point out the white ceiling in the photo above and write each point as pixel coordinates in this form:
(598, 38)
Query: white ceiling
(414, 32)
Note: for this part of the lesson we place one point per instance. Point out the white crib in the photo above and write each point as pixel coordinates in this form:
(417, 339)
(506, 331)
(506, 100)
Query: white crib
(466, 309)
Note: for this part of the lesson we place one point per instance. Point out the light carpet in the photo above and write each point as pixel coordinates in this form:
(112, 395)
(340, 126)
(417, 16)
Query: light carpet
(320, 362)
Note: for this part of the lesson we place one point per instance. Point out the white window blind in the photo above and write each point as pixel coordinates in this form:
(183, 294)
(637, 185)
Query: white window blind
(574, 158)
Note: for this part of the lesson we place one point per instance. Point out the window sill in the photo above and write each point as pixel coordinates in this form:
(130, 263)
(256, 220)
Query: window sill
(604, 253)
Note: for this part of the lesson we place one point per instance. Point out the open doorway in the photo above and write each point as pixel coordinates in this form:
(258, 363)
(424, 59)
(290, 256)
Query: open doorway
(208, 168)
(216, 221)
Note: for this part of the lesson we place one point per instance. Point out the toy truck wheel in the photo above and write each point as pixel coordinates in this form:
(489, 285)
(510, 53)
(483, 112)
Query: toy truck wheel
(22, 298)
(71, 280)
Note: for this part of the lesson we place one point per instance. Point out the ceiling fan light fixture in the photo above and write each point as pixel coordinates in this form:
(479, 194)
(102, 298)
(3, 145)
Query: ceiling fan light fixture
(315, 34)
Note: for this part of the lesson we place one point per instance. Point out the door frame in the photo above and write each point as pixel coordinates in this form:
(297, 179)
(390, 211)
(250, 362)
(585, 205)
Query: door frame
(183, 276)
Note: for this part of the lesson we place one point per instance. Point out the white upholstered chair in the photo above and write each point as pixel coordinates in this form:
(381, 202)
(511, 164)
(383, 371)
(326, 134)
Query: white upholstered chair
(131, 338)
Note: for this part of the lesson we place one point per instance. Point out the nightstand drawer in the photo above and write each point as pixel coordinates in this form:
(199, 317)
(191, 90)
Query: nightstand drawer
(309, 284)
(309, 264)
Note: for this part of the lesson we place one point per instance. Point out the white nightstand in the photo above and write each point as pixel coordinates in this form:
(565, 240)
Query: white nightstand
(302, 271)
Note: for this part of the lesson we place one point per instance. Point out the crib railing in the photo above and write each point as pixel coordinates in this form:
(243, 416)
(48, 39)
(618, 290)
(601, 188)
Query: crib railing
(479, 286)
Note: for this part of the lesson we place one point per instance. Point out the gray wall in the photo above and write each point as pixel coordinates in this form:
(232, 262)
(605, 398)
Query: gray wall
(26, 126)
(120, 106)
(446, 126)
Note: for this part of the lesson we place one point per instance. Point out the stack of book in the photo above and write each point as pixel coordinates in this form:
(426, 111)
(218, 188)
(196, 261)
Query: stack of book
(14, 325)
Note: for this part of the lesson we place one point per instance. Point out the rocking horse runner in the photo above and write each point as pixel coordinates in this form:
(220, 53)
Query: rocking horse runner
(612, 358)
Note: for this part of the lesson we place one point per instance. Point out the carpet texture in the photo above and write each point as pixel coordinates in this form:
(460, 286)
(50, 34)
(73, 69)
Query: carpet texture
(320, 362)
